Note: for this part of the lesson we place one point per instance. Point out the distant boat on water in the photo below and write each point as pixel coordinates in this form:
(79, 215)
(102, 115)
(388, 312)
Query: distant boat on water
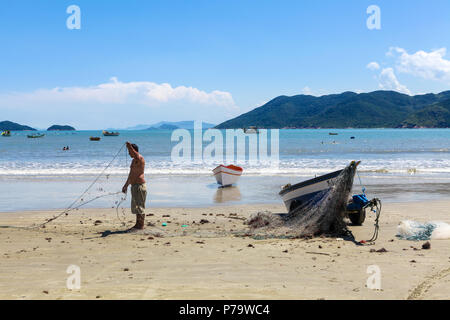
(227, 175)
(6, 133)
(251, 129)
(94, 138)
(333, 133)
(36, 135)
(110, 134)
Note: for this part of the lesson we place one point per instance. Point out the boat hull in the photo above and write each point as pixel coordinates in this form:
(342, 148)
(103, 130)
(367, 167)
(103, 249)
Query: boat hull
(297, 195)
(227, 176)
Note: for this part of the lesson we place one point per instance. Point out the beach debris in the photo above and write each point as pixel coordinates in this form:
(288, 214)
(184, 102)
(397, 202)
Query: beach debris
(200, 242)
(382, 250)
(150, 224)
(166, 215)
(164, 224)
(203, 221)
(413, 230)
(45, 291)
(426, 245)
(125, 269)
(251, 246)
(413, 261)
(97, 222)
(321, 253)
(184, 226)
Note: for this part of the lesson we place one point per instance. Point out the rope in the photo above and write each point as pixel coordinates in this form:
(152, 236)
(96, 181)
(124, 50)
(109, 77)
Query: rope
(377, 204)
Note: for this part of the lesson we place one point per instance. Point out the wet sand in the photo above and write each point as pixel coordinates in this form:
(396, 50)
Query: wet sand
(210, 262)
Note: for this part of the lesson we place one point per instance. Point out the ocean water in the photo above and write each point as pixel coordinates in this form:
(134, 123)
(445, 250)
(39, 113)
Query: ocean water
(397, 164)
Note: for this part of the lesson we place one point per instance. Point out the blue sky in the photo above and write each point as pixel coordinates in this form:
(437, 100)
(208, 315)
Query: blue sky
(136, 62)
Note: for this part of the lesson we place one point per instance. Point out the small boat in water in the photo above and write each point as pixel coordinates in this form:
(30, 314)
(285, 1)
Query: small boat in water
(94, 138)
(6, 133)
(297, 195)
(227, 175)
(333, 133)
(251, 129)
(110, 134)
(36, 135)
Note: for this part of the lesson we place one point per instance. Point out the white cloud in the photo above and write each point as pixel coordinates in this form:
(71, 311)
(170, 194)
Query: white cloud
(428, 65)
(117, 104)
(373, 66)
(116, 92)
(388, 81)
(307, 90)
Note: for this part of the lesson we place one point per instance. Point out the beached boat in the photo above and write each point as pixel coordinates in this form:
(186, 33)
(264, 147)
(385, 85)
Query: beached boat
(295, 196)
(110, 134)
(94, 138)
(251, 129)
(36, 135)
(6, 133)
(227, 175)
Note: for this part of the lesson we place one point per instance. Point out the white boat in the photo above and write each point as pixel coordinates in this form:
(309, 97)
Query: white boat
(227, 175)
(295, 196)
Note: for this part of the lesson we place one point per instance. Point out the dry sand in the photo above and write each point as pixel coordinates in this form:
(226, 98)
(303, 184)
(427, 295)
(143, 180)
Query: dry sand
(211, 263)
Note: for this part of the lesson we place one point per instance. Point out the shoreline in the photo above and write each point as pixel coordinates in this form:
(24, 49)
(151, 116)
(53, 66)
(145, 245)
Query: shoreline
(218, 205)
(208, 261)
(199, 191)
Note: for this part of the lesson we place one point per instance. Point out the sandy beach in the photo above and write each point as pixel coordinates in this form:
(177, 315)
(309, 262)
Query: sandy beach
(209, 262)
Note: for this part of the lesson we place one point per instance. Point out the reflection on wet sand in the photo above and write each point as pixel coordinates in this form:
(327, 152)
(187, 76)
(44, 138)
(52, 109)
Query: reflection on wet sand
(227, 194)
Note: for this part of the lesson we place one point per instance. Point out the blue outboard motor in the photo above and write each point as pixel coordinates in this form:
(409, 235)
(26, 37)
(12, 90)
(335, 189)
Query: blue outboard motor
(359, 201)
(356, 209)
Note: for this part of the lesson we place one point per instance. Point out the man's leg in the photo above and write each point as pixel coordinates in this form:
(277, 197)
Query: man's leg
(140, 219)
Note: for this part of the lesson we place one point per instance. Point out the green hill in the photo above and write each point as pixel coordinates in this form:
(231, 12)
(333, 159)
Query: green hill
(57, 127)
(9, 125)
(434, 116)
(378, 109)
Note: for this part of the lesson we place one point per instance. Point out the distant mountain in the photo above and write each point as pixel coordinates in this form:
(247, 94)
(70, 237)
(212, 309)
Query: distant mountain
(138, 127)
(9, 125)
(56, 127)
(378, 109)
(167, 125)
(179, 125)
(164, 127)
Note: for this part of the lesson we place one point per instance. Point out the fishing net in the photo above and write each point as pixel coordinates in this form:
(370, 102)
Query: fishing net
(323, 214)
(415, 231)
(105, 186)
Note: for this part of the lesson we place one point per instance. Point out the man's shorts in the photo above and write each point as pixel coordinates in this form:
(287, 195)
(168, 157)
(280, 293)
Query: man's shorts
(138, 196)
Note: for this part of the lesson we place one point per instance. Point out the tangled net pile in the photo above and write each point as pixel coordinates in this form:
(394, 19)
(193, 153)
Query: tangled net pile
(323, 214)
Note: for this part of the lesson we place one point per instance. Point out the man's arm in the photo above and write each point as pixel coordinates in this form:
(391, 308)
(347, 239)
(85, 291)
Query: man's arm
(127, 183)
(133, 153)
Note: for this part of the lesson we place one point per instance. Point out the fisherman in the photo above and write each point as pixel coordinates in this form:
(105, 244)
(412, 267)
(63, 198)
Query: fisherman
(138, 186)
